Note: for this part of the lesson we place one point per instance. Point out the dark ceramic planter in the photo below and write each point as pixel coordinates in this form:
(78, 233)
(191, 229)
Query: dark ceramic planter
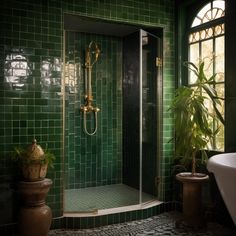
(192, 199)
(35, 217)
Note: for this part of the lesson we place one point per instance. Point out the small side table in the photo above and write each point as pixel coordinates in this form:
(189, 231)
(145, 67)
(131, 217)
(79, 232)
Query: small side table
(35, 216)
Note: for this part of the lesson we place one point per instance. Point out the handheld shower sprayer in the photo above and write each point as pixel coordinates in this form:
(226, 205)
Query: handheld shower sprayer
(91, 56)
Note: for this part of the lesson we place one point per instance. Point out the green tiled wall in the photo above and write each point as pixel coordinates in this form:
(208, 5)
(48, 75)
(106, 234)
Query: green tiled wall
(94, 160)
(34, 30)
(30, 92)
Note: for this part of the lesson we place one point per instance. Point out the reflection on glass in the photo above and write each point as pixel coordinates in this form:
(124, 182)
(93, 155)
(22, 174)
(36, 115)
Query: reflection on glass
(72, 75)
(16, 70)
(73, 71)
(50, 74)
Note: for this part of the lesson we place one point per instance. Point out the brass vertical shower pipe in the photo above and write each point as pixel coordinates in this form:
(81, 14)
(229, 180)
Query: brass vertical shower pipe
(91, 57)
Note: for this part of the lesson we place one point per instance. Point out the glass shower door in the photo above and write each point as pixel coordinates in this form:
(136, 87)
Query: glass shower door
(131, 111)
(150, 105)
(141, 109)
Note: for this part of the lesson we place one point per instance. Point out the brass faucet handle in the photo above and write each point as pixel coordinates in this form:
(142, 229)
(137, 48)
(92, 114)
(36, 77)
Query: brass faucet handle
(84, 108)
(96, 109)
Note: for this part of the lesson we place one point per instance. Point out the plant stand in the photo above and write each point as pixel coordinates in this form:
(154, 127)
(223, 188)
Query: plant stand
(192, 199)
(35, 217)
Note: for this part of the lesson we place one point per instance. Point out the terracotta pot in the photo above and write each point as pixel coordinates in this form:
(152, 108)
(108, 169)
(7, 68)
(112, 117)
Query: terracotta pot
(193, 213)
(34, 217)
(35, 221)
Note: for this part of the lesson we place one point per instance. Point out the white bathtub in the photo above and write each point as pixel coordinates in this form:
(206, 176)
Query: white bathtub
(223, 166)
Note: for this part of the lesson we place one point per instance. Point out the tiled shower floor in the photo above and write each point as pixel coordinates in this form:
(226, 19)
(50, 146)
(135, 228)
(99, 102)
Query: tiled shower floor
(102, 197)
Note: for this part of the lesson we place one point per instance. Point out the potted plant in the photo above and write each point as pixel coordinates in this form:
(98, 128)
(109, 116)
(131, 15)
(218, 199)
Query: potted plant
(34, 216)
(33, 161)
(193, 119)
(193, 133)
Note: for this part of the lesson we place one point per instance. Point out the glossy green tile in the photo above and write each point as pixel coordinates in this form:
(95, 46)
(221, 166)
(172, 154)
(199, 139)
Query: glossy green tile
(37, 28)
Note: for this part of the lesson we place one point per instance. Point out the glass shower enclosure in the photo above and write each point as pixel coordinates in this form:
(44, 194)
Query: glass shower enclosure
(141, 113)
(119, 165)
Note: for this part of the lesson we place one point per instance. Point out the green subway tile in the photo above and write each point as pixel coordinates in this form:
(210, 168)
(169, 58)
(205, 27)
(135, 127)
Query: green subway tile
(41, 52)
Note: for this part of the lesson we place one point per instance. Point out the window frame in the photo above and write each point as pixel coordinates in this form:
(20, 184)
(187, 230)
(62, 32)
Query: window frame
(198, 28)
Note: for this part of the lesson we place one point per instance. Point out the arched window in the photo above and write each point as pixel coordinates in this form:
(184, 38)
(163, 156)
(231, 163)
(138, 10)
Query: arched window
(206, 42)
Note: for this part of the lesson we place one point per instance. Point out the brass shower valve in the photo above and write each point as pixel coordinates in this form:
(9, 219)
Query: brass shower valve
(91, 56)
(89, 108)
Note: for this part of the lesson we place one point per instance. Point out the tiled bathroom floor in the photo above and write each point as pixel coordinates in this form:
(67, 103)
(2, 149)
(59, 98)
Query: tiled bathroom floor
(102, 197)
(163, 224)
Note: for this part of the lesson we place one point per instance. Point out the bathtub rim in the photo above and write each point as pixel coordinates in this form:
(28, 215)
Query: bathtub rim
(220, 170)
(213, 162)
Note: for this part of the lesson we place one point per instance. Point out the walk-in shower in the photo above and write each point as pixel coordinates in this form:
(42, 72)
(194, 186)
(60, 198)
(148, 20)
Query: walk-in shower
(118, 165)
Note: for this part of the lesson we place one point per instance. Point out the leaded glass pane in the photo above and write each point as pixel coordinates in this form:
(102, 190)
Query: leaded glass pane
(203, 34)
(219, 4)
(206, 55)
(194, 58)
(196, 22)
(206, 33)
(219, 29)
(204, 10)
(209, 12)
(209, 32)
(219, 138)
(220, 88)
(219, 58)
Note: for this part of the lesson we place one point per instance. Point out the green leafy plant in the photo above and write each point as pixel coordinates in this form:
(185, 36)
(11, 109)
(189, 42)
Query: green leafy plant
(21, 156)
(193, 119)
